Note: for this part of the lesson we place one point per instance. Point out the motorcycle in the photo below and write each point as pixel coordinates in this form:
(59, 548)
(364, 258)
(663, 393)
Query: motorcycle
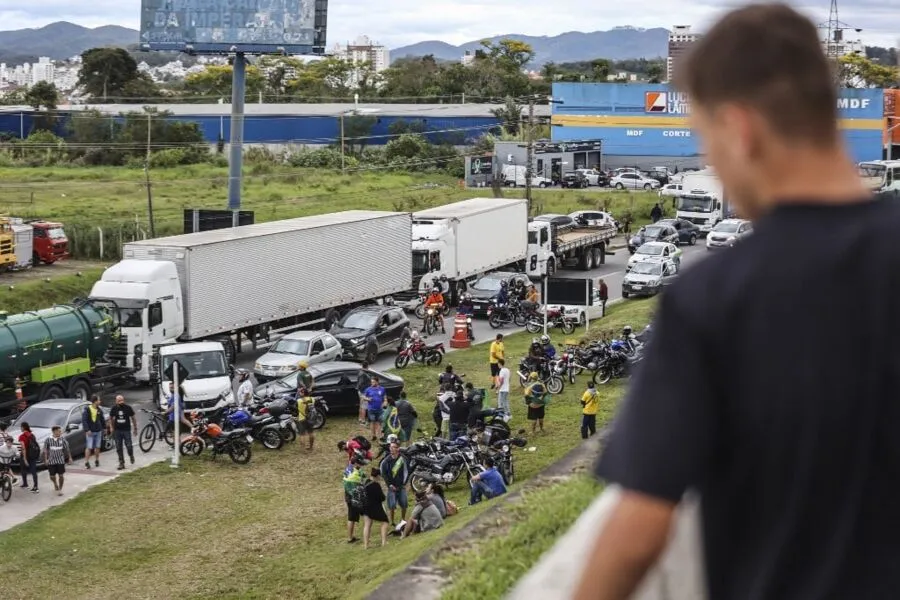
(504, 314)
(263, 426)
(418, 351)
(555, 318)
(433, 321)
(236, 443)
(501, 452)
(547, 375)
(615, 362)
(461, 457)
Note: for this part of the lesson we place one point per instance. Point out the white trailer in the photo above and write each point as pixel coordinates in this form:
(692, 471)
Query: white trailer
(466, 239)
(23, 235)
(255, 280)
(702, 199)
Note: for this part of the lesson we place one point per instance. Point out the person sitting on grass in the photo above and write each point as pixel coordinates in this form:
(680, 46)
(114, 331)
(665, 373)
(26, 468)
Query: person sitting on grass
(425, 516)
(487, 484)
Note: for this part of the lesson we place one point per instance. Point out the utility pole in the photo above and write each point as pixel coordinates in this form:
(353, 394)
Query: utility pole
(342, 141)
(147, 178)
(529, 139)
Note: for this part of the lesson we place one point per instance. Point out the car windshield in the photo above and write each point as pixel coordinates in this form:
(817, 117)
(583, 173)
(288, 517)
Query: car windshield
(647, 268)
(651, 249)
(487, 284)
(724, 227)
(199, 365)
(696, 203)
(299, 347)
(359, 320)
(44, 417)
(653, 231)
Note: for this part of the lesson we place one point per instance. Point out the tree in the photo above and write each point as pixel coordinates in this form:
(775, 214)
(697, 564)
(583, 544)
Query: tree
(510, 115)
(600, 69)
(357, 130)
(42, 94)
(508, 52)
(857, 71)
(106, 71)
(215, 82)
(655, 73)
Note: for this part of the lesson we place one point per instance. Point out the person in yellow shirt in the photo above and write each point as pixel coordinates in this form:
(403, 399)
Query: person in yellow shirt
(303, 425)
(498, 351)
(590, 400)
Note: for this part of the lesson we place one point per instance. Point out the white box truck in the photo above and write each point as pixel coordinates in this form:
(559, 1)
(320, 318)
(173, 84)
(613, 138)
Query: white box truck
(517, 176)
(250, 282)
(702, 200)
(466, 239)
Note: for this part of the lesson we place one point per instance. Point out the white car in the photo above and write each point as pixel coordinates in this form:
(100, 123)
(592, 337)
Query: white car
(670, 189)
(633, 181)
(592, 176)
(284, 357)
(594, 218)
(654, 251)
(727, 233)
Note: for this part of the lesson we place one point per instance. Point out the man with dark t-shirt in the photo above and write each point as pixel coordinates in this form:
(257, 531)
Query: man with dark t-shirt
(770, 384)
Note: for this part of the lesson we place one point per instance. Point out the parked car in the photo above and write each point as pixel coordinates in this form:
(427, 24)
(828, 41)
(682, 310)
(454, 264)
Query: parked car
(574, 179)
(486, 288)
(670, 190)
(64, 412)
(594, 177)
(284, 356)
(633, 181)
(594, 218)
(687, 232)
(727, 233)
(654, 251)
(649, 277)
(335, 382)
(561, 221)
(660, 232)
(366, 331)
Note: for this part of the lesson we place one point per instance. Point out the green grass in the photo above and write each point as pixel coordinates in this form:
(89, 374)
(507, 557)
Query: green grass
(34, 294)
(531, 527)
(275, 528)
(115, 198)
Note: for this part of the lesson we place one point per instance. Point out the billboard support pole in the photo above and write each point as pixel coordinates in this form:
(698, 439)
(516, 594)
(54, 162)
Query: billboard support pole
(236, 142)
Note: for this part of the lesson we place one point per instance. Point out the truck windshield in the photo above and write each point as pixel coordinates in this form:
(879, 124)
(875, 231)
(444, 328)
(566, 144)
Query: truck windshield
(131, 317)
(420, 262)
(200, 365)
(56, 233)
(696, 203)
(298, 347)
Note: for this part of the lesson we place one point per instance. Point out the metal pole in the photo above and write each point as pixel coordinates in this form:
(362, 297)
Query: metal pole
(177, 415)
(236, 151)
(590, 303)
(530, 151)
(342, 142)
(147, 176)
(546, 303)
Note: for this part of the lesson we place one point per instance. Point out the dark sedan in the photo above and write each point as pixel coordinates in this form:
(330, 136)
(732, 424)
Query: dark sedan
(687, 232)
(336, 383)
(486, 288)
(66, 413)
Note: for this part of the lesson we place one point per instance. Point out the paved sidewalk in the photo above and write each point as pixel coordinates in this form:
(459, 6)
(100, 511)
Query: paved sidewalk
(25, 505)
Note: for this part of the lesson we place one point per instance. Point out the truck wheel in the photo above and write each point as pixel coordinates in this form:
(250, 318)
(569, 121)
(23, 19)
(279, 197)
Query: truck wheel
(230, 350)
(584, 261)
(551, 268)
(80, 390)
(599, 255)
(35, 259)
(53, 391)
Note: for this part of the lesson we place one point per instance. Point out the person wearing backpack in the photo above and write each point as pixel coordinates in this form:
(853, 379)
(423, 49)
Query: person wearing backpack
(354, 494)
(536, 397)
(93, 423)
(590, 400)
(31, 454)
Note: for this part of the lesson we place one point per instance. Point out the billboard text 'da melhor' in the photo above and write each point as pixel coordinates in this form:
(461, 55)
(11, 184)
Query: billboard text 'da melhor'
(255, 26)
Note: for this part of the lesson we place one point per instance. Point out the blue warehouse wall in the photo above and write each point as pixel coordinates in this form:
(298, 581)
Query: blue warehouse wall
(652, 120)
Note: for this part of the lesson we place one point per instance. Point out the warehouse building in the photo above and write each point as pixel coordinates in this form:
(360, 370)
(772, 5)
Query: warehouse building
(646, 125)
(287, 125)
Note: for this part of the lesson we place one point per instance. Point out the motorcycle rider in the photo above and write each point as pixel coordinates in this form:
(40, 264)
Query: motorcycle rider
(449, 379)
(445, 285)
(520, 291)
(503, 294)
(531, 301)
(467, 308)
(435, 301)
(536, 356)
(245, 390)
(548, 347)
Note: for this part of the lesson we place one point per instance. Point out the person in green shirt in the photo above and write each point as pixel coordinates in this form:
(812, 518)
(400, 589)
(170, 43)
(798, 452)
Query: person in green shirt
(304, 377)
(354, 476)
(536, 397)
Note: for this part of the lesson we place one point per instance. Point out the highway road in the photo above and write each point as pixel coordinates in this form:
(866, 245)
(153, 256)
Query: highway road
(612, 272)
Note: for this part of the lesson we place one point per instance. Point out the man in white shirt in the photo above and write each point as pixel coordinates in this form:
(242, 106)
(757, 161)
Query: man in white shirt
(245, 390)
(503, 387)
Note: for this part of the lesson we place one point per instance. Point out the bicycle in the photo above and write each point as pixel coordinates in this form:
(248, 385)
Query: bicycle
(159, 428)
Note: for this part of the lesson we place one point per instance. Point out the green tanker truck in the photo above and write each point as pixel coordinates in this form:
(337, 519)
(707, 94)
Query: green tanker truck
(59, 352)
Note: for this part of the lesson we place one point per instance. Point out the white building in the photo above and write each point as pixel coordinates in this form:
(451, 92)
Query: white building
(468, 58)
(42, 70)
(364, 50)
(681, 38)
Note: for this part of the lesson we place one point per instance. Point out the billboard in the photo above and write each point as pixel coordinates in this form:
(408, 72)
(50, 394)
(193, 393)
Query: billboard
(224, 26)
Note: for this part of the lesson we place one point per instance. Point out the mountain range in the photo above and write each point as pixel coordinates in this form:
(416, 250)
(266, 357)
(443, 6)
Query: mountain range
(59, 41)
(619, 43)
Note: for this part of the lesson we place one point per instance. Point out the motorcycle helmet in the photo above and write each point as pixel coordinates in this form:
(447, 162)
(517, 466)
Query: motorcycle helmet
(533, 376)
(392, 439)
(504, 283)
(627, 330)
(443, 278)
(213, 430)
(414, 335)
(468, 297)
(436, 289)
(545, 339)
(302, 364)
(535, 342)
(244, 374)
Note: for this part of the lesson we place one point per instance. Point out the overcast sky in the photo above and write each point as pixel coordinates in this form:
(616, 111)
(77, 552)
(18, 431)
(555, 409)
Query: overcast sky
(397, 23)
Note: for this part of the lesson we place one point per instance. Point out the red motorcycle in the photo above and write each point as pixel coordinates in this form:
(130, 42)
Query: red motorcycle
(418, 351)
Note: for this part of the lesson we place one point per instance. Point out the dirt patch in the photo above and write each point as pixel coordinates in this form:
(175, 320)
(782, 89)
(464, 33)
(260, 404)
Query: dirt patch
(58, 269)
(425, 580)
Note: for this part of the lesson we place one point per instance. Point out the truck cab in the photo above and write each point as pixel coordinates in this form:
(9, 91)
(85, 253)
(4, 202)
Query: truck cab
(541, 259)
(702, 209)
(50, 243)
(208, 385)
(433, 242)
(7, 244)
(147, 296)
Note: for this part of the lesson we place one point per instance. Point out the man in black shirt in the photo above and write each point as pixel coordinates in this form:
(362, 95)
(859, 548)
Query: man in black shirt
(459, 415)
(770, 383)
(122, 424)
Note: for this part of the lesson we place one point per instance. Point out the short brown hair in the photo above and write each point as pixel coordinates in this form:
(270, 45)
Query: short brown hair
(767, 57)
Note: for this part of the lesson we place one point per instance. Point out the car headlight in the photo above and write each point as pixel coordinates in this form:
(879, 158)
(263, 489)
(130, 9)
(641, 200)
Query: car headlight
(288, 368)
(355, 341)
(257, 367)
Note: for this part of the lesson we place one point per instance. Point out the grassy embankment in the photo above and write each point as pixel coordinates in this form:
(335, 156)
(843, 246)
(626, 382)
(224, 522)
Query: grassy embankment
(37, 293)
(274, 528)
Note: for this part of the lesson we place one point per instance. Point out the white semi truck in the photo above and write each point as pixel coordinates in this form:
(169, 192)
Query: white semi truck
(702, 200)
(196, 297)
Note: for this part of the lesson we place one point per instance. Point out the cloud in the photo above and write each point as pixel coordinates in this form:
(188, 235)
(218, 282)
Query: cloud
(400, 22)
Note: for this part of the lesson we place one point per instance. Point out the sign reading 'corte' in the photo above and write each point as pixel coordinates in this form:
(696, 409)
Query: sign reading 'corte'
(670, 103)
